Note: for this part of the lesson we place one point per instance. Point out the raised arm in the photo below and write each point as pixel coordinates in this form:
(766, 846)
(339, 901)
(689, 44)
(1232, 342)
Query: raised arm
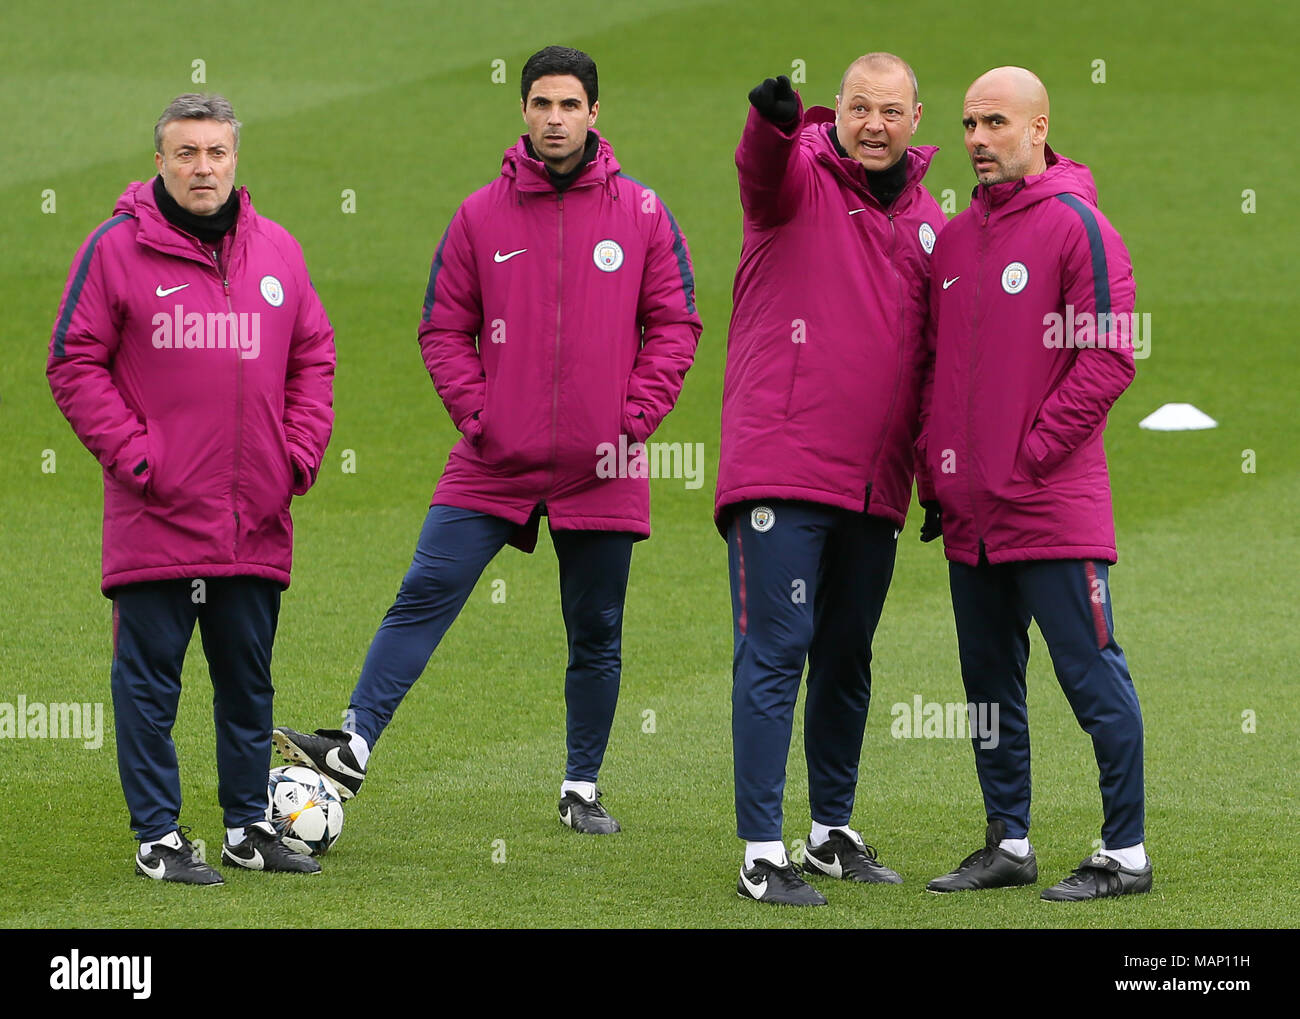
(772, 174)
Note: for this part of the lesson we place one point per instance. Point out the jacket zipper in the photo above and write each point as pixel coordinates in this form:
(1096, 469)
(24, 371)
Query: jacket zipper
(970, 378)
(555, 374)
(898, 366)
(239, 412)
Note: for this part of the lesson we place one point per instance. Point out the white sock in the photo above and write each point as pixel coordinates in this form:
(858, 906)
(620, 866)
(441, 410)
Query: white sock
(821, 832)
(773, 852)
(587, 790)
(360, 749)
(1017, 847)
(172, 840)
(1131, 858)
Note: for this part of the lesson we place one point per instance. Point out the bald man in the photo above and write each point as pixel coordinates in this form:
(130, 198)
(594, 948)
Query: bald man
(1030, 304)
(819, 417)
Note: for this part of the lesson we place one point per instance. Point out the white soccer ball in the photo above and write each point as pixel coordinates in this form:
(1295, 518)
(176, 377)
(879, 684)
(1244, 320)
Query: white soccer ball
(304, 808)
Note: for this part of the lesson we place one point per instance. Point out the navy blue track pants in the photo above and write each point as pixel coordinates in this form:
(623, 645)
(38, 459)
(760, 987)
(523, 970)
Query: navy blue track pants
(808, 583)
(1070, 601)
(152, 626)
(455, 547)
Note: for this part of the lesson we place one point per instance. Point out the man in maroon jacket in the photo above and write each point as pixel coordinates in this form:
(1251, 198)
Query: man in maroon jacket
(1031, 314)
(819, 417)
(193, 358)
(558, 324)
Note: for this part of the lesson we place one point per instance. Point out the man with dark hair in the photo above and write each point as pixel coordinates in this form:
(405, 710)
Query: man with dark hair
(1011, 447)
(193, 358)
(559, 317)
(561, 61)
(818, 420)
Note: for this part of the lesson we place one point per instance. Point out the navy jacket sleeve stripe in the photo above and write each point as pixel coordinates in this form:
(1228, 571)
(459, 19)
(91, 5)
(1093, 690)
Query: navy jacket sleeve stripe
(79, 281)
(679, 248)
(433, 278)
(1100, 274)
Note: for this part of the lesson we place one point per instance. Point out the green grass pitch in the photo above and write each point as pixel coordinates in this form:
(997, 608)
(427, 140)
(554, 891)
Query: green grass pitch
(457, 824)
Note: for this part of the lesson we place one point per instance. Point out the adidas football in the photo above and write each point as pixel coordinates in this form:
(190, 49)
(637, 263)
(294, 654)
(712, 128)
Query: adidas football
(304, 808)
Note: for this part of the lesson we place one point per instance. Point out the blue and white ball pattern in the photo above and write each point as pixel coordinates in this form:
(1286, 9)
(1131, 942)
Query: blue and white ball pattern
(304, 808)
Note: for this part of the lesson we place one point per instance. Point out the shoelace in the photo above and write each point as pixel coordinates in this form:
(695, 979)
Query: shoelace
(869, 854)
(272, 847)
(278, 849)
(186, 846)
(1109, 881)
(980, 856)
(789, 874)
(977, 857)
(271, 844)
(593, 806)
(869, 851)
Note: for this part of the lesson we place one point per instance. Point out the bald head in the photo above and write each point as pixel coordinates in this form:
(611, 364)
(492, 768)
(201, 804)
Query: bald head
(1014, 85)
(872, 63)
(1005, 116)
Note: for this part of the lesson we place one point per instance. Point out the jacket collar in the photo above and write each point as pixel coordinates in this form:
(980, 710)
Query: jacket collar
(1061, 176)
(529, 173)
(849, 170)
(155, 231)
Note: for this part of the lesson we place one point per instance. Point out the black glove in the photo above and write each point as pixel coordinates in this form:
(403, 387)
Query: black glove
(775, 100)
(932, 526)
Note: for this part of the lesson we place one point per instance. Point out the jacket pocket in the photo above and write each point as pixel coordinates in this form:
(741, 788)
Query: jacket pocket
(631, 420)
(473, 431)
(286, 458)
(491, 446)
(485, 444)
(157, 490)
(794, 378)
(1025, 468)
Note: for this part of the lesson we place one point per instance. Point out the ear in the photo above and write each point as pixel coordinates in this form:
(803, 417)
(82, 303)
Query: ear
(523, 110)
(158, 161)
(595, 111)
(916, 118)
(1038, 129)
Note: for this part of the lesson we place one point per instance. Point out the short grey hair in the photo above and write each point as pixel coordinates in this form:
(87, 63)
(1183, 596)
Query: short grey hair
(193, 106)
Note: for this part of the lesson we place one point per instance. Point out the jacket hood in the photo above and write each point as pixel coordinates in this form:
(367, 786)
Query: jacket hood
(138, 201)
(529, 173)
(1062, 177)
(850, 170)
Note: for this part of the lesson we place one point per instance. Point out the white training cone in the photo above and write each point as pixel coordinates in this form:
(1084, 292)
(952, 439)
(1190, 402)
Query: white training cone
(1177, 417)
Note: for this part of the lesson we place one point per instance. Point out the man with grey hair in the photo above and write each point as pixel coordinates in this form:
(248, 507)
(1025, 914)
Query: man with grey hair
(819, 413)
(194, 106)
(192, 357)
